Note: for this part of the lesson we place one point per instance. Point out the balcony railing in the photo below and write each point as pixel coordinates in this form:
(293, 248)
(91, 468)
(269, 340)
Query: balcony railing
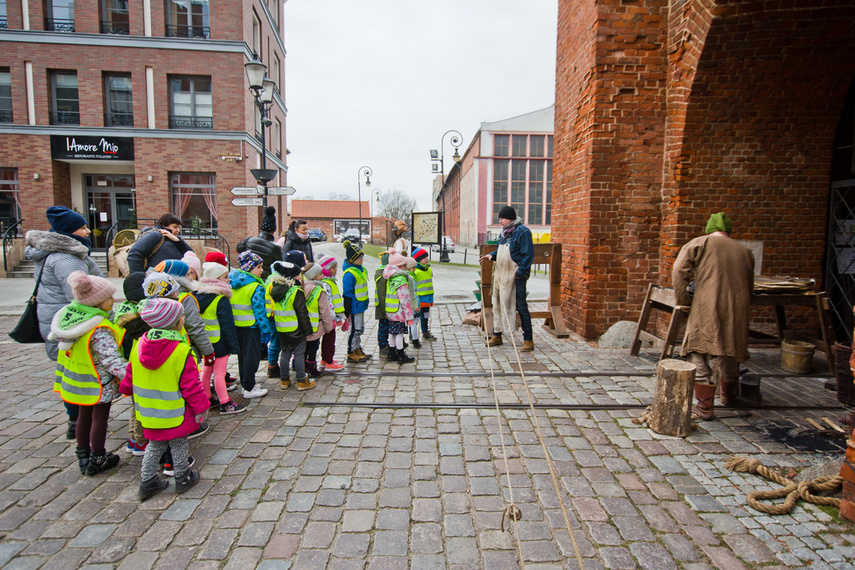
(6, 116)
(188, 122)
(122, 28)
(187, 31)
(59, 25)
(3, 24)
(65, 118)
(118, 119)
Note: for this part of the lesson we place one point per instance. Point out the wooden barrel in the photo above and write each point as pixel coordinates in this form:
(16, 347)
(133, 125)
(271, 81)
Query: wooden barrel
(797, 356)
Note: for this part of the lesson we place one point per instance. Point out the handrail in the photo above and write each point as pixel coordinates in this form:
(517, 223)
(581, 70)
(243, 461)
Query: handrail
(7, 237)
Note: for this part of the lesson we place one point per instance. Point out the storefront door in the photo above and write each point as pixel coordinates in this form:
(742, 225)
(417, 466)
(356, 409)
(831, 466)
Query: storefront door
(111, 206)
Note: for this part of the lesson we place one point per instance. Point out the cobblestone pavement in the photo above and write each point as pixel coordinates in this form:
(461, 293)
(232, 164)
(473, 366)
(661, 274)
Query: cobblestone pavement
(292, 484)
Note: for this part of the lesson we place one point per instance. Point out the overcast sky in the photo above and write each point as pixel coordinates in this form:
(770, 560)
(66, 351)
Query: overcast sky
(377, 82)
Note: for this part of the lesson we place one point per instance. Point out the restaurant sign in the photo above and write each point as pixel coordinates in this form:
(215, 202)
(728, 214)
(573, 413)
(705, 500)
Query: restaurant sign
(67, 147)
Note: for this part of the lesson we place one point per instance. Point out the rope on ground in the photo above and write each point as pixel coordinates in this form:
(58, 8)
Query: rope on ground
(791, 490)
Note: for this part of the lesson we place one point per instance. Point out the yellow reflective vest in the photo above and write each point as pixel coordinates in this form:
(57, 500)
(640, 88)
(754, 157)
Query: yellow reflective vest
(337, 302)
(424, 281)
(313, 309)
(76, 379)
(360, 287)
(212, 324)
(284, 315)
(158, 402)
(392, 284)
(242, 304)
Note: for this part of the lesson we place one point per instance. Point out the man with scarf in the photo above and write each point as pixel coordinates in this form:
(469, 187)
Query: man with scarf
(513, 260)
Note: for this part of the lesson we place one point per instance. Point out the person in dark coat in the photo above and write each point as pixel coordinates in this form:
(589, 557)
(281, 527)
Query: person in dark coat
(263, 244)
(157, 244)
(297, 238)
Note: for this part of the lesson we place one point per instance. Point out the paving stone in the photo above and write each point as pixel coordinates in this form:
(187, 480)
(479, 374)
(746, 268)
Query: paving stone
(461, 551)
(652, 556)
(390, 543)
(352, 545)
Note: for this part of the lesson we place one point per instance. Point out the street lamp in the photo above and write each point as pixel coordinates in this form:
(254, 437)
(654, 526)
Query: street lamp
(376, 202)
(261, 88)
(366, 170)
(456, 141)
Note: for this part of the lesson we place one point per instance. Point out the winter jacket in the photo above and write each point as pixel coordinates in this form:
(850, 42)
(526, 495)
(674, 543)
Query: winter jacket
(238, 279)
(379, 293)
(294, 241)
(279, 287)
(521, 249)
(326, 323)
(153, 354)
(207, 290)
(404, 294)
(140, 256)
(60, 256)
(348, 283)
(134, 327)
(264, 248)
(199, 341)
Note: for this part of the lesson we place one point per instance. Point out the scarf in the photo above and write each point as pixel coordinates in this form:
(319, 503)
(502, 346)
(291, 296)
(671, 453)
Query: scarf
(167, 334)
(77, 313)
(303, 237)
(509, 229)
(85, 241)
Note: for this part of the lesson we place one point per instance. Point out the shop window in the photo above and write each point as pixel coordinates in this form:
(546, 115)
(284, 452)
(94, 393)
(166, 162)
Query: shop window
(500, 186)
(10, 199)
(188, 19)
(190, 103)
(501, 145)
(115, 17)
(118, 100)
(194, 199)
(60, 16)
(65, 102)
(3, 24)
(5, 95)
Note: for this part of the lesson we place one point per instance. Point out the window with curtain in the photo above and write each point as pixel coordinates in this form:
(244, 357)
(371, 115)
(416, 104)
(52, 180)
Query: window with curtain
(60, 16)
(2, 14)
(118, 100)
(500, 186)
(65, 98)
(5, 95)
(191, 104)
(115, 17)
(188, 19)
(194, 198)
(10, 198)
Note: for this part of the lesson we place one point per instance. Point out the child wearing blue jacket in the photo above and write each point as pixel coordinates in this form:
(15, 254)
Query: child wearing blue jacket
(250, 314)
(354, 285)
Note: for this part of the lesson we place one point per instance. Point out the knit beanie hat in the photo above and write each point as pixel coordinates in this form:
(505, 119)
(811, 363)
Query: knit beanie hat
(285, 269)
(327, 262)
(249, 261)
(420, 254)
(296, 257)
(508, 213)
(193, 262)
(133, 286)
(268, 222)
(90, 290)
(160, 285)
(719, 223)
(409, 262)
(159, 313)
(174, 267)
(312, 271)
(64, 220)
(352, 251)
(213, 270)
(397, 260)
(217, 257)
(384, 258)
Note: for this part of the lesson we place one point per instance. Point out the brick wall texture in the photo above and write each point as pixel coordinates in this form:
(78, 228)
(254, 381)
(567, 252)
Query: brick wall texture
(667, 112)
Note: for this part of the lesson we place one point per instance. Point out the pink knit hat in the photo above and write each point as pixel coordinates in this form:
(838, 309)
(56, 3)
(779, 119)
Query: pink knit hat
(90, 290)
(327, 262)
(194, 263)
(160, 312)
(397, 260)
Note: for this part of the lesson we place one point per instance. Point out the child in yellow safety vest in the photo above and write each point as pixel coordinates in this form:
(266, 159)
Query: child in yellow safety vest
(88, 365)
(292, 322)
(329, 268)
(320, 316)
(251, 321)
(354, 291)
(163, 378)
(399, 305)
(423, 274)
(193, 324)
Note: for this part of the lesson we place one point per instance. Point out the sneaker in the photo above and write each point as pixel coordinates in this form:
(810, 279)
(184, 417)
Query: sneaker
(131, 444)
(187, 480)
(139, 450)
(334, 365)
(101, 463)
(256, 392)
(231, 387)
(170, 472)
(152, 487)
(213, 402)
(200, 431)
(231, 408)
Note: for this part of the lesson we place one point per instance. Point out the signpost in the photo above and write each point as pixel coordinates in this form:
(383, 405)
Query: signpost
(247, 191)
(280, 190)
(247, 201)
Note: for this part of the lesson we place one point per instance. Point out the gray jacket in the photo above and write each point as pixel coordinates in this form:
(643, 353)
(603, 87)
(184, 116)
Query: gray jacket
(60, 256)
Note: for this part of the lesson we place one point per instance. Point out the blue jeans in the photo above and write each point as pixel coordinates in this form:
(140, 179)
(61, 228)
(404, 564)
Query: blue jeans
(424, 315)
(273, 347)
(522, 309)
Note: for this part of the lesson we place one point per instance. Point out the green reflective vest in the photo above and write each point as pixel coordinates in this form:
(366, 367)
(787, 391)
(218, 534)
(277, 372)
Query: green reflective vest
(424, 281)
(284, 315)
(76, 379)
(242, 303)
(392, 302)
(360, 288)
(337, 301)
(212, 324)
(312, 307)
(158, 402)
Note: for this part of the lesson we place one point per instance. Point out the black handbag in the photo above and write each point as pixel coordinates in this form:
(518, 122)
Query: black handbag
(27, 329)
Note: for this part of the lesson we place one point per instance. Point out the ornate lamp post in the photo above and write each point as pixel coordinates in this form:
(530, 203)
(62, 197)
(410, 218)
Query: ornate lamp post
(366, 170)
(456, 140)
(375, 194)
(261, 88)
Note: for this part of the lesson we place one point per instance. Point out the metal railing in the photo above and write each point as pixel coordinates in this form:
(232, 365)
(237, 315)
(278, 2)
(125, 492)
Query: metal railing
(65, 118)
(8, 236)
(59, 25)
(123, 28)
(188, 31)
(6, 117)
(190, 122)
(118, 119)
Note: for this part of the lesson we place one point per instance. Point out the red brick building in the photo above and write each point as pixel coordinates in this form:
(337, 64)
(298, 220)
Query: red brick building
(126, 114)
(337, 216)
(668, 111)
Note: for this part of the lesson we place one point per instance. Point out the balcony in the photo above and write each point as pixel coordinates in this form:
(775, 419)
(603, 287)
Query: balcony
(59, 25)
(186, 31)
(121, 28)
(65, 118)
(5, 116)
(118, 119)
(188, 122)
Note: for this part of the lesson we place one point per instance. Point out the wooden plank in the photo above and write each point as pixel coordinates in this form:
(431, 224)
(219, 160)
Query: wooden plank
(833, 425)
(815, 424)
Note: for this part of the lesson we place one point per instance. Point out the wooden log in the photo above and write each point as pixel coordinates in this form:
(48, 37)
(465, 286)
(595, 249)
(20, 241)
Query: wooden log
(671, 412)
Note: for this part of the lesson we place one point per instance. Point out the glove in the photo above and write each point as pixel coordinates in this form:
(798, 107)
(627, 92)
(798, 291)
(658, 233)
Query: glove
(208, 359)
(345, 326)
(200, 418)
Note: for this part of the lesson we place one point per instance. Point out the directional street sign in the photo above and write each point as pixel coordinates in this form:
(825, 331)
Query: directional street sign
(280, 190)
(247, 201)
(246, 191)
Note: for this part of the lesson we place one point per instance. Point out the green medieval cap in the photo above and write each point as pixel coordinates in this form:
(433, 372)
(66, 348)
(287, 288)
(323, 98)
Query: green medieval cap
(719, 223)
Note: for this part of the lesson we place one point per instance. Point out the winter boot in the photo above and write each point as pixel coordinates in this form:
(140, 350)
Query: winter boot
(705, 395)
(312, 369)
(273, 370)
(495, 340)
(285, 383)
(527, 346)
(186, 480)
(354, 357)
(427, 335)
(417, 343)
(729, 392)
(403, 358)
(100, 462)
(363, 355)
(152, 487)
(384, 351)
(82, 458)
(392, 355)
(72, 429)
(305, 383)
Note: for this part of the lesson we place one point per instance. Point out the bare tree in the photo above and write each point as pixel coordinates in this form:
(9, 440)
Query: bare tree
(339, 196)
(396, 205)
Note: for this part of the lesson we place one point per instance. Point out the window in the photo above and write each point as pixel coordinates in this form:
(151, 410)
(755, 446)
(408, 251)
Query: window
(5, 95)
(115, 17)
(256, 35)
(191, 106)
(65, 101)
(277, 66)
(118, 100)
(519, 145)
(535, 192)
(549, 146)
(277, 137)
(500, 145)
(518, 168)
(60, 16)
(188, 19)
(194, 198)
(548, 215)
(3, 14)
(536, 149)
(10, 201)
(500, 186)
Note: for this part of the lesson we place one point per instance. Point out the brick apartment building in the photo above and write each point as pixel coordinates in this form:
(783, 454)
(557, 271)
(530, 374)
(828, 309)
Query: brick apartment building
(128, 110)
(668, 111)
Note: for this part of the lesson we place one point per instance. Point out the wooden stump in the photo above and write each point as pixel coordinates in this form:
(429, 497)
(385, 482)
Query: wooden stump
(671, 412)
